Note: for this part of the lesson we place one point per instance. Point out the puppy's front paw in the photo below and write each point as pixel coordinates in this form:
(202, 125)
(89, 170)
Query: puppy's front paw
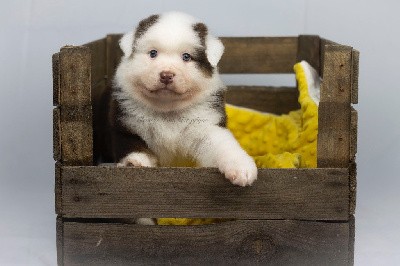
(240, 171)
(139, 159)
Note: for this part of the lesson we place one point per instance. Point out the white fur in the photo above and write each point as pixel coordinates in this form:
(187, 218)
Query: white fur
(178, 124)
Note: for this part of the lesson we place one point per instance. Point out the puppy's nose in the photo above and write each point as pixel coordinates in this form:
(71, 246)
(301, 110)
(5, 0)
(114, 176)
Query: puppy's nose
(166, 77)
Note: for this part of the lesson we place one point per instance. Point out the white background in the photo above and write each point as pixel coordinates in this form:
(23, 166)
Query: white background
(32, 30)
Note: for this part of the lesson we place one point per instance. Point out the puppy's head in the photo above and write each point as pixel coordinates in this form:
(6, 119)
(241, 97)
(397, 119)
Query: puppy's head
(169, 62)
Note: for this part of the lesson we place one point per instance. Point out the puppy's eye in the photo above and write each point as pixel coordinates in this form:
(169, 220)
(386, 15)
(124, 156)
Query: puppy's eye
(186, 57)
(153, 53)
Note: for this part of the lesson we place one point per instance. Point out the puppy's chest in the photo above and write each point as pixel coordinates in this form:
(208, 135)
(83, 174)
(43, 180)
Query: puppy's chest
(171, 137)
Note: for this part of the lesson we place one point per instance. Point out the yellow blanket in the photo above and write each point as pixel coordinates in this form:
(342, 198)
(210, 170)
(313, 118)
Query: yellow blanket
(275, 141)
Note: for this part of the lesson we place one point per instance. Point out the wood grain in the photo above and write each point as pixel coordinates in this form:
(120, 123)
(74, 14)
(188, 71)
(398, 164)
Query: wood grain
(56, 78)
(353, 133)
(309, 50)
(333, 135)
(76, 135)
(98, 60)
(258, 55)
(75, 76)
(353, 187)
(56, 134)
(242, 242)
(277, 100)
(114, 54)
(334, 110)
(60, 241)
(355, 73)
(110, 192)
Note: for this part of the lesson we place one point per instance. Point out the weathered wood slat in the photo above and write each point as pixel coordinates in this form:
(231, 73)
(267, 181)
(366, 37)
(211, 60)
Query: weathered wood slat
(98, 59)
(258, 55)
(114, 54)
(75, 76)
(334, 110)
(111, 192)
(56, 134)
(353, 187)
(333, 135)
(353, 133)
(309, 50)
(76, 135)
(354, 89)
(56, 78)
(337, 83)
(242, 242)
(277, 100)
(58, 187)
(73, 120)
(60, 241)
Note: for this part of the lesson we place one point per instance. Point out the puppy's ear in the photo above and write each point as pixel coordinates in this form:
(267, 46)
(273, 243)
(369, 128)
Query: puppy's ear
(126, 44)
(214, 50)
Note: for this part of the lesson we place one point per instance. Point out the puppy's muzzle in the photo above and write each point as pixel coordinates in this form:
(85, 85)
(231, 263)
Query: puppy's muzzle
(166, 77)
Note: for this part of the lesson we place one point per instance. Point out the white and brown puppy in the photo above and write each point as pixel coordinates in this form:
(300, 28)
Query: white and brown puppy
(168, 106)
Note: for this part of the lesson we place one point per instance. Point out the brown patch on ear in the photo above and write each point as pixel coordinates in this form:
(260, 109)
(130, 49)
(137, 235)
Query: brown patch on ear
(200, 58)
(202, 31)
(143, 26)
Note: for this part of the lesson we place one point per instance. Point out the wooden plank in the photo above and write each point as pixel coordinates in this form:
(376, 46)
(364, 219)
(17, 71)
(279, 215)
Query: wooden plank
(353, 187)
(353, 133)
(58, 187)
(333, 147)
(113, 54)
(60, 241)
(75, 76)
(334, 109)
(111, 192)
(76, 135)
(355, 68)
(56, 134)
(258, 55)
(323, 43)
(309, 50)
(352, 234)
(336, 84)
(242, 242)
(56, 78)
(277, 100)
(98, 60)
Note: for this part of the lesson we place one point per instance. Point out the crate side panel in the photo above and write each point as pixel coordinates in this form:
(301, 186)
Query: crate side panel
(76, 135)
(56, 134)
(238, 242)
(113, 54)
(75, 76)
(98, 61)
(333, 135)
(114, 192)
(258, 55)
(56, 78)
(355, 68)
(334, 109)
(277, 100)
(309, 50)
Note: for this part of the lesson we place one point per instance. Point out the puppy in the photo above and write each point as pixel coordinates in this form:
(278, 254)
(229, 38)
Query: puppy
(167, 106)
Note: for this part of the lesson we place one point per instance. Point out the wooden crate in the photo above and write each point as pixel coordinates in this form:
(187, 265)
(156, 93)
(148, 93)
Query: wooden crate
(289, 216)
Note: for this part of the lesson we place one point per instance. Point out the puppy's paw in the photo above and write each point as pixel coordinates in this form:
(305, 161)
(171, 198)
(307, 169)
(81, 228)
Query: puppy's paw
(138, 159)
(241, 170)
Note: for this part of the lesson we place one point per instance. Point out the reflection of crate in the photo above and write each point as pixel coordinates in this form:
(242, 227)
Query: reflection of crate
(289, 216)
